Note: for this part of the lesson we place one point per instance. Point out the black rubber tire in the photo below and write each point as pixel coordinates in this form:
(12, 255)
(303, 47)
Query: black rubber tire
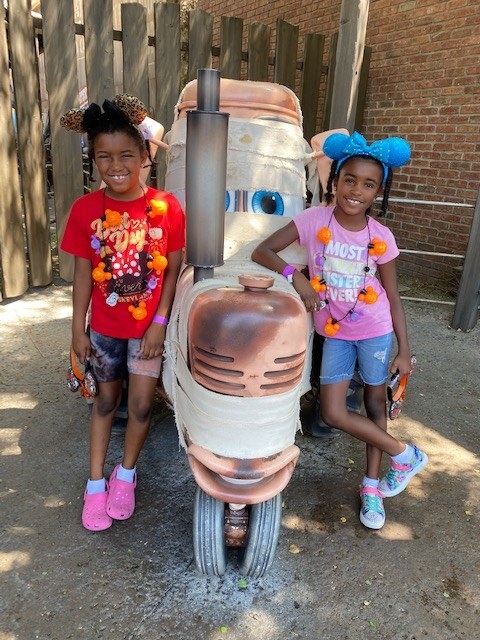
(262, 538)
(209, 547)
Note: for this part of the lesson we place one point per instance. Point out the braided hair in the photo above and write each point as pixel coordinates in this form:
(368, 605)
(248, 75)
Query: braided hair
(329, 195)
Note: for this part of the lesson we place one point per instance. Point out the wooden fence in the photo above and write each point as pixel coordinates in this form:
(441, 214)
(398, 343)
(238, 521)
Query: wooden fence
(28, 237)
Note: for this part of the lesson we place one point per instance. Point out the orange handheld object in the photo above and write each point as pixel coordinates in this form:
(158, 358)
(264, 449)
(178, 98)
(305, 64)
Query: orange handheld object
(396, 391)
(78, 380)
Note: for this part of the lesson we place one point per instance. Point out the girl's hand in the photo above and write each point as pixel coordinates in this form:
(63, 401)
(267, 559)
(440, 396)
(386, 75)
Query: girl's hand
(151, 345)
(306, 292)
(82, 346)
(401, 363)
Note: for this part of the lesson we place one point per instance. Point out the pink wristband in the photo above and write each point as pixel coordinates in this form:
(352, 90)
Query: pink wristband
(288, 271)
(160, 320)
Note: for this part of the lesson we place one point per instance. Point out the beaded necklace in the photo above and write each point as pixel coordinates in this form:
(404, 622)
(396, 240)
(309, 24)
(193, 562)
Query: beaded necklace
(114, 268)
(367, 294)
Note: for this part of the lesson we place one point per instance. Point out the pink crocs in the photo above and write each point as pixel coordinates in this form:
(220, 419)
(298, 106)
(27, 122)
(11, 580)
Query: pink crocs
(121, 497)
(94, 514)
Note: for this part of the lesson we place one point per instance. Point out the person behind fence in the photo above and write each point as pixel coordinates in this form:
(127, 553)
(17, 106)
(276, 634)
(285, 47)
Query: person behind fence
(356, 312)
(128, 241)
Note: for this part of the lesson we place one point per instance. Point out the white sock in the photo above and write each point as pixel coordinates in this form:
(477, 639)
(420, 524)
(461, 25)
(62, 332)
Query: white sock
(127, 475)
(405, 456)
(96, 486)
(370, 482)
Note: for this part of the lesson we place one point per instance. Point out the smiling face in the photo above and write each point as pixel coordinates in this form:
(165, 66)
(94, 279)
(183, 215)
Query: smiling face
(357, 185)
(119, 159)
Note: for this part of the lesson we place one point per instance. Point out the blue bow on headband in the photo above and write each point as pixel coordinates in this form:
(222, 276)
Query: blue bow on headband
(390, 152)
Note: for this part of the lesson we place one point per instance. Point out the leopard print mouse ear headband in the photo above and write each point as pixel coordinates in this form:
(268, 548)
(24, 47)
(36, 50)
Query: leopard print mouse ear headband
(122, 106)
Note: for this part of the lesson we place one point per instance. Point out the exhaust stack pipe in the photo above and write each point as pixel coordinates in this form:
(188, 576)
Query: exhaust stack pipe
(205, 177)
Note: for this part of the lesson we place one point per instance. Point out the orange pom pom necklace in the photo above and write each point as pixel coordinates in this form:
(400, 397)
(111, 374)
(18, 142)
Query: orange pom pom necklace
(114, 267)
(367, 294)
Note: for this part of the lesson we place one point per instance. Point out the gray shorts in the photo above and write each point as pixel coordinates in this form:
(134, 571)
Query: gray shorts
(113, 358)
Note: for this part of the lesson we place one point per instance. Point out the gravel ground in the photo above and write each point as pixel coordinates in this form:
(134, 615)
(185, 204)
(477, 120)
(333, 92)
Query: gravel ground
(331, 579)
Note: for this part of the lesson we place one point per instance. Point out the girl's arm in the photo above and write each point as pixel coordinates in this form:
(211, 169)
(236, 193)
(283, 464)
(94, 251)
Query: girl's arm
(154, 337)
(266, 254)
(388, 276)
(82, 291)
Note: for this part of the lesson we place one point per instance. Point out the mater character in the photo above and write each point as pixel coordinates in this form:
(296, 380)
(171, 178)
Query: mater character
(239, 342)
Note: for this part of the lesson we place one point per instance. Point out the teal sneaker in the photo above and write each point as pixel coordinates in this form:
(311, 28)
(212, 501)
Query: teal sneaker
(399, 475)
(372, 513)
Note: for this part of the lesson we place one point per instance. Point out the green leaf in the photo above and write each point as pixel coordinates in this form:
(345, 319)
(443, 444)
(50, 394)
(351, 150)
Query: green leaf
(242, 583)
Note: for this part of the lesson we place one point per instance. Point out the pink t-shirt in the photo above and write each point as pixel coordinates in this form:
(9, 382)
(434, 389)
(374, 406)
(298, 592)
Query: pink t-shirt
(346, 256)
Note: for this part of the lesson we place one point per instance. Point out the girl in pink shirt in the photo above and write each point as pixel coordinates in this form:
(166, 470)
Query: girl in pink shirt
(353, 294)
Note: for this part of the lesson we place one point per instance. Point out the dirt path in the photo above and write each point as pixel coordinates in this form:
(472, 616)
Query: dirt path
(332, 579)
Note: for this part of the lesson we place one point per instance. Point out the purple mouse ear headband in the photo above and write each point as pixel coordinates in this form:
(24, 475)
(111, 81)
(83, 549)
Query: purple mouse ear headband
(390, 152)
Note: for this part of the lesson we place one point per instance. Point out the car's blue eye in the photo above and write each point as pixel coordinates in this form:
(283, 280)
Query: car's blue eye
(269, 202)
(227, 200)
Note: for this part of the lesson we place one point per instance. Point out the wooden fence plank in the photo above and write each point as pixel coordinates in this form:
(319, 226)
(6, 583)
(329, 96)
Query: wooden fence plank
(14, 280)
(31, 152)
(351, 42)
(168, 70)
(258, 51)
(286, 54)
(311, 78)
(332, 64)
(62, 87)
(231, 32)
(466, 316)
(199, 42)
(135, 50)
(98, 19)
(167, 60)
(362, 88)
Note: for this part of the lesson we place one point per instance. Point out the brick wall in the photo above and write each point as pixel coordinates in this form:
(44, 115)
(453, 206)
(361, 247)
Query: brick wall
(424, 86)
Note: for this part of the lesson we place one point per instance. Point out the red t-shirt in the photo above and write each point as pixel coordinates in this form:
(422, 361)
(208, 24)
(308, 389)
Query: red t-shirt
(125, 241)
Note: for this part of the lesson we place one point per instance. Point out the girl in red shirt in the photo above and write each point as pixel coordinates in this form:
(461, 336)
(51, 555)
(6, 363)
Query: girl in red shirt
(128, 241)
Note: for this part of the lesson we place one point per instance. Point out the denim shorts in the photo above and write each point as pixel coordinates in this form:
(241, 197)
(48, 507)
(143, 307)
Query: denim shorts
(370, 356)
(113, 358)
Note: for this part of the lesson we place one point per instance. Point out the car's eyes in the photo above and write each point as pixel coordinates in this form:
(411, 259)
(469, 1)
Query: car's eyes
(229, 200)
(263, 202)
(269, 202)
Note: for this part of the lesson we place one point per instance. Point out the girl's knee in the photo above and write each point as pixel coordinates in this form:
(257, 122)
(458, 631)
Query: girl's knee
(140, 411)
(375, 404)
(105, 405)
(332, 416)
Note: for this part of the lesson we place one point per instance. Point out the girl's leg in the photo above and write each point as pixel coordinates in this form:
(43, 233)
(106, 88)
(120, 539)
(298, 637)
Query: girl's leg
(376, 409)
(372, 431)
(109, 364)
(94, 513)
(141, 392)
(103, 410)
(121, 495)
(335, 414)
